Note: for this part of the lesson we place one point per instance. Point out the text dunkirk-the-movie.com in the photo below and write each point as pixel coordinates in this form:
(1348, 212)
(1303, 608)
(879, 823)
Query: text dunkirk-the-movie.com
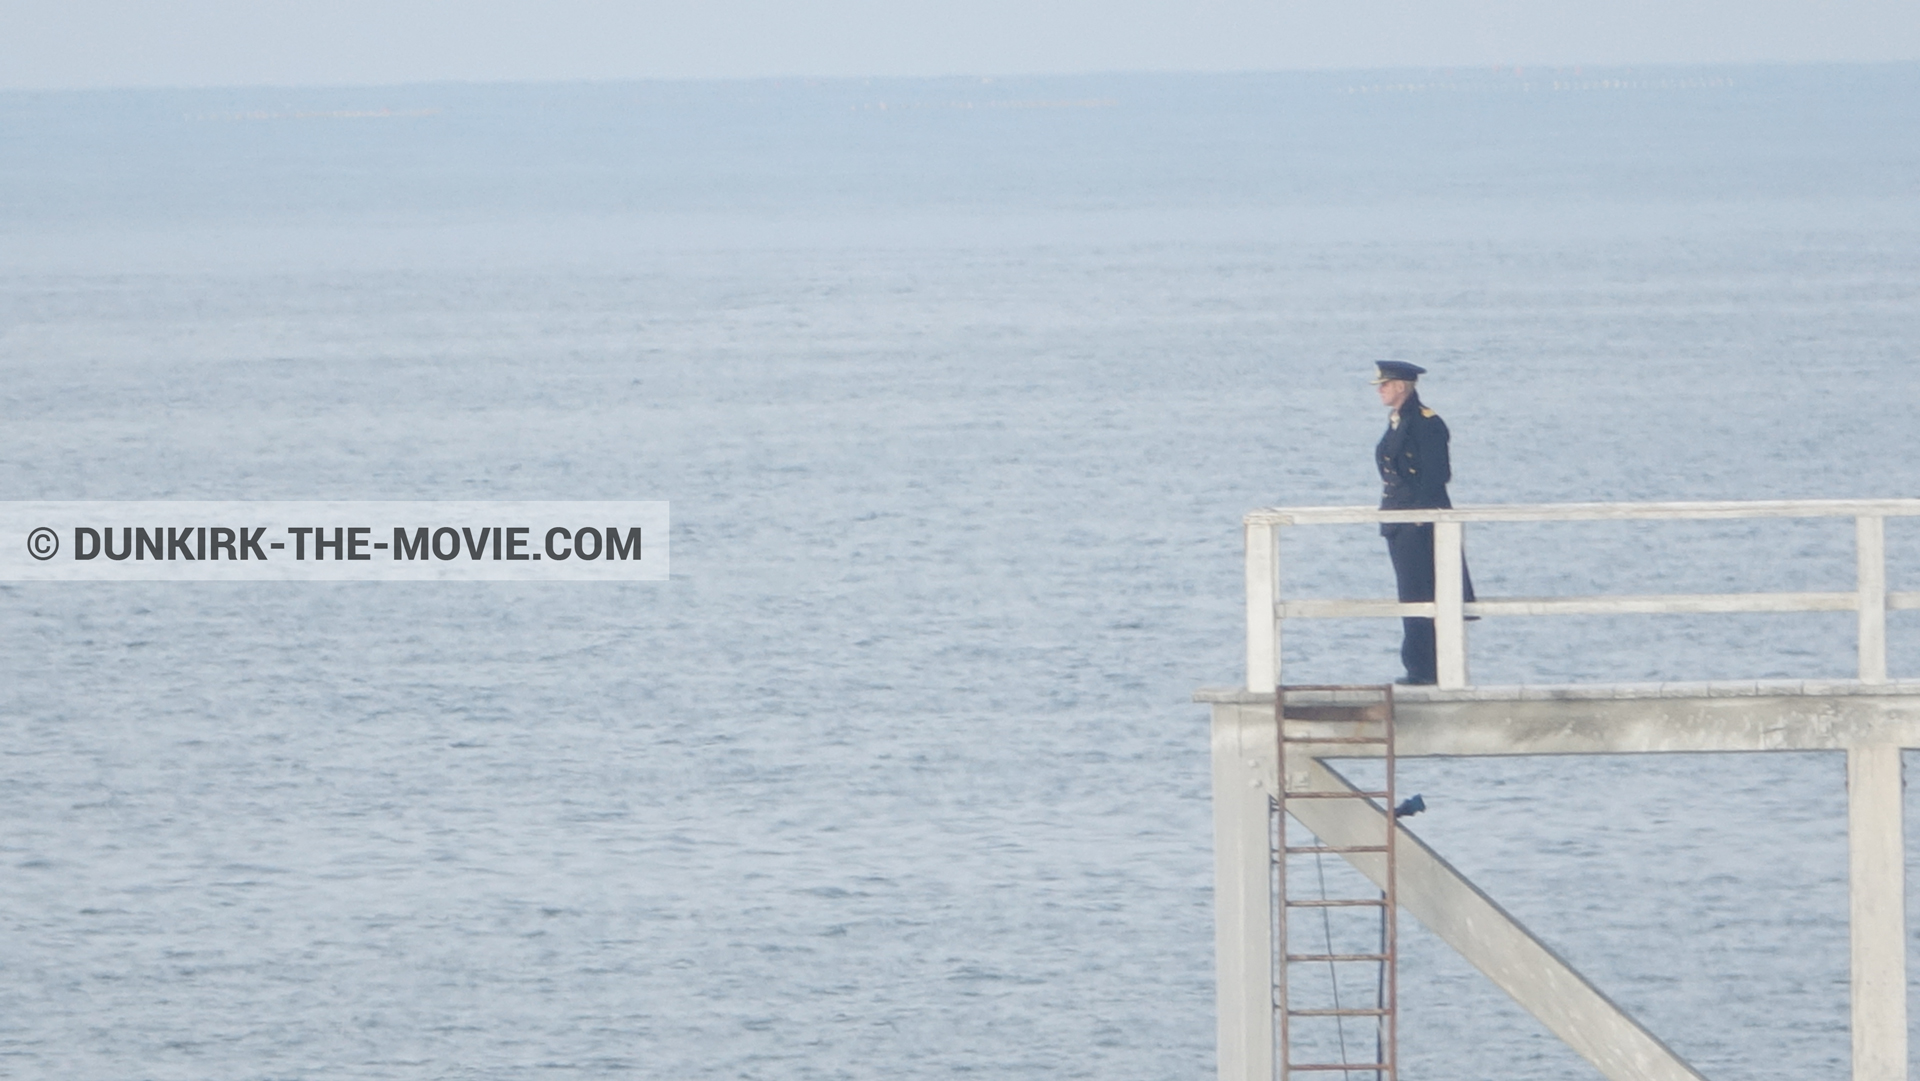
(469, 540)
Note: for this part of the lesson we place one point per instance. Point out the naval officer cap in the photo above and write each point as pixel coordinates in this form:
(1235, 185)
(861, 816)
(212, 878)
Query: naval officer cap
(1395, 369)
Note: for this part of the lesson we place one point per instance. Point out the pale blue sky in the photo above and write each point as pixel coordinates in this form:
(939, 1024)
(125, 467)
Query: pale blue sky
(100, 43)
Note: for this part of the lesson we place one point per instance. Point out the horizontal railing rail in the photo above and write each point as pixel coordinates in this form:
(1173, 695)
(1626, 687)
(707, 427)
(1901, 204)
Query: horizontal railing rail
(1266, 609)
(1591, 512)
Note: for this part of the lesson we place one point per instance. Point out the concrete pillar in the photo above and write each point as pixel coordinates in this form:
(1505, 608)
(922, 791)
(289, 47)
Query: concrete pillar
(1242, 894)
(1877, 867)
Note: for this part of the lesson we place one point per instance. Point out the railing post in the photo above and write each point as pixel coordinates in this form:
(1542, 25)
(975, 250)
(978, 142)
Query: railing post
(1263, 593)
(1449, 625)
(1870, 551)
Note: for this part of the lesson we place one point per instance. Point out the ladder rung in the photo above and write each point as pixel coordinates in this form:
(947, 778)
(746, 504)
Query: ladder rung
(1356, 725)
(1295, 849)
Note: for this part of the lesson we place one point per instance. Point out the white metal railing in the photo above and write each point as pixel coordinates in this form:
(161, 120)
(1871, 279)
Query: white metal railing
(1266, 609)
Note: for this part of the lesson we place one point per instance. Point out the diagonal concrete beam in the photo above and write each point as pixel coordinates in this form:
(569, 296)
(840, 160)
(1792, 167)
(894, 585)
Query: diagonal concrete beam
(1452, 907)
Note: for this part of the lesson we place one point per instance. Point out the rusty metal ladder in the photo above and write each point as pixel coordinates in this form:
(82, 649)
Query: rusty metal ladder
(1364, 725)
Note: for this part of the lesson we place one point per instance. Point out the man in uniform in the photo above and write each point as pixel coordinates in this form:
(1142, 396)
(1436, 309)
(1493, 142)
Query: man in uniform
(1414, 471)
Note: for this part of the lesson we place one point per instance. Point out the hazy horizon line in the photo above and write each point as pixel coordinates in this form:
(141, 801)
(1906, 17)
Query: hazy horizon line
(1519, 70)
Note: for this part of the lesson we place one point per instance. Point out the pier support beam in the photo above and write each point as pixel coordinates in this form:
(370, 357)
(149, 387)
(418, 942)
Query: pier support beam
(1871, 721)
(1497, 944)
(1243, 767)
(1877, 869)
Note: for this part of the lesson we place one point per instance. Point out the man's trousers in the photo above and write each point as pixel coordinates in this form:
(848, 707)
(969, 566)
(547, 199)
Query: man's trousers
(1410, 544)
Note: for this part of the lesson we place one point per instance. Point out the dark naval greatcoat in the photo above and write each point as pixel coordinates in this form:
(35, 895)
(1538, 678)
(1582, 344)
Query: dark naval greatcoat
(1414, 471)
(1414, 468)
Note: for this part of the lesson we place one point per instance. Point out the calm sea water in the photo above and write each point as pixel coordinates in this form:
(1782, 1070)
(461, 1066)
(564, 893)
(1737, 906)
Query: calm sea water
(958, 389)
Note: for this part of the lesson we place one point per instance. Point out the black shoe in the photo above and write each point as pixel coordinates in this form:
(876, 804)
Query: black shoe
(1409, 681)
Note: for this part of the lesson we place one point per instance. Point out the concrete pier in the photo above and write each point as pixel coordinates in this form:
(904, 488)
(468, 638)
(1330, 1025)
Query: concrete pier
(1871, 719)
(1870, 722)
